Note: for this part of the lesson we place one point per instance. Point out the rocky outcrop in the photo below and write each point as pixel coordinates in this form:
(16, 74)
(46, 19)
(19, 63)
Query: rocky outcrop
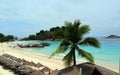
(113, 36)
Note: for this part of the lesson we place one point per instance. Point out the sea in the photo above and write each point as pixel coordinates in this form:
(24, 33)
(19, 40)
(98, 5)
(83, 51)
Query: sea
(108, 52)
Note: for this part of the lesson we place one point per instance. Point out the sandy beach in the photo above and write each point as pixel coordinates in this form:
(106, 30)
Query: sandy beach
(52, 63)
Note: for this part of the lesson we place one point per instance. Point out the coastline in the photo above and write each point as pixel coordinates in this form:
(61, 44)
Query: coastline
(53, 63)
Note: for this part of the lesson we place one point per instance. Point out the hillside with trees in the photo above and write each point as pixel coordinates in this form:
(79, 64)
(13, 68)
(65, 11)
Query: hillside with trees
(55, 33)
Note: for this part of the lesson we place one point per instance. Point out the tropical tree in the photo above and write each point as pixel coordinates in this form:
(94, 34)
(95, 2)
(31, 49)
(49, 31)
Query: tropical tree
(57, 32)
(73, 39)
(2, 37)
(9, 38)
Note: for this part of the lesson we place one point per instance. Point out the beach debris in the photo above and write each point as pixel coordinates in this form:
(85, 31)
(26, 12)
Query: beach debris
(23, 67)
(46, 70)
(37, 73)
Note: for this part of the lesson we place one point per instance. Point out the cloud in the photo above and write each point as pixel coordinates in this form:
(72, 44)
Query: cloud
(44, 14)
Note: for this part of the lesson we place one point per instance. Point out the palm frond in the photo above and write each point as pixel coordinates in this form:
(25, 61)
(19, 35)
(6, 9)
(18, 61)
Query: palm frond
(65, 43)
(62, 48)
(77, 23)
(68, 58)
(59, 50)
(68, 24)
(68, 30)
(83, 29)
(85, 54)
(72, 31)
(91, 41)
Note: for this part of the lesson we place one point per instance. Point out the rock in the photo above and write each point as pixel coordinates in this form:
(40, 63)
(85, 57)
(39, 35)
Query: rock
(113, 36)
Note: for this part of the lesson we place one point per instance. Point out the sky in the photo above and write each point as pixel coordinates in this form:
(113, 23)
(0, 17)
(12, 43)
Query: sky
(24, 17)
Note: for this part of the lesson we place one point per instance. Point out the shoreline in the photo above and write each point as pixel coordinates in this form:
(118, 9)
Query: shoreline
(30, 56)
(108, 65)
(53, 63)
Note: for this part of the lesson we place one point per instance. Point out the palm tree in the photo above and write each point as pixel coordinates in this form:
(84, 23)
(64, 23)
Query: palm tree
(73, 37)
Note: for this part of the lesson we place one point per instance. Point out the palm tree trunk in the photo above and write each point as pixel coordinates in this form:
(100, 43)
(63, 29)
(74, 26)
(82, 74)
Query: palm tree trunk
(74, 57)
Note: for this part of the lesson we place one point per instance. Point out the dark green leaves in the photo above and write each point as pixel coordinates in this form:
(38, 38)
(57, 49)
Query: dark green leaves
(77, 23)
(72, 31)
(90, 41)
(73, 36)
(59, 50)
(85, 54)
(68, 58)
(83, 30)
(62, 48)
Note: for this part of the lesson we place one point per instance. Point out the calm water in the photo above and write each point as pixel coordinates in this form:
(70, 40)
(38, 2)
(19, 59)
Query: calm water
(109, 51)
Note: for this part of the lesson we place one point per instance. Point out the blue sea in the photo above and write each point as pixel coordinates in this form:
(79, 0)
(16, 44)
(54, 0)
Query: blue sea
(109, 51)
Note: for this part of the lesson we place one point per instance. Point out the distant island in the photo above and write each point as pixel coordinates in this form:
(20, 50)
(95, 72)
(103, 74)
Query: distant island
(113, 36)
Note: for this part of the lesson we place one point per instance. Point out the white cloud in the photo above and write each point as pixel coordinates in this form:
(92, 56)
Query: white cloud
(46, 14)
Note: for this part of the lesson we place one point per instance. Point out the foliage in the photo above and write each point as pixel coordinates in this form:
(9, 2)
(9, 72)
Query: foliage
(73, 37)
(53, 33)
(4, 38)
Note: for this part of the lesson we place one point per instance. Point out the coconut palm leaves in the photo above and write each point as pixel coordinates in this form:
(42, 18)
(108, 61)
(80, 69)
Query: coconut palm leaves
(73, 37)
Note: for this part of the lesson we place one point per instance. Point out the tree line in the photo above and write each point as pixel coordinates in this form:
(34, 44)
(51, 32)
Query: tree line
(5, 38)
(52, 34)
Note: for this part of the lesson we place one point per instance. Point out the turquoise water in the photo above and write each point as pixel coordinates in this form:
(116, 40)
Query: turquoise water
(109, 51)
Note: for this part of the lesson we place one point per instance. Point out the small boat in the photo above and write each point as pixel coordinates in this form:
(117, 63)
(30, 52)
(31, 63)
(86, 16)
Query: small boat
(31, 46)
(41, 45)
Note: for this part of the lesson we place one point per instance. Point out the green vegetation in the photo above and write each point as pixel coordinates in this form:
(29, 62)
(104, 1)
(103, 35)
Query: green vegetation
(73, 37)
(52, 34)
(4, 38)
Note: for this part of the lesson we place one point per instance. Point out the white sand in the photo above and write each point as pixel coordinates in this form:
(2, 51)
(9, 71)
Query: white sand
(52, 63)
(5, 72)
